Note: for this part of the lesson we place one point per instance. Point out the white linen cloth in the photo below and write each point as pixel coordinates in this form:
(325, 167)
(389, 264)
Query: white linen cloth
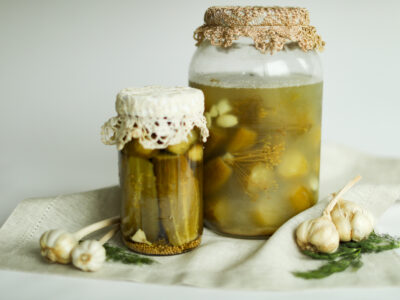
(219, 262)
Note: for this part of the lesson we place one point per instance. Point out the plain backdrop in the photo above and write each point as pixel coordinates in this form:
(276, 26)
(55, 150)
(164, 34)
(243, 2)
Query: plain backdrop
(63, 62)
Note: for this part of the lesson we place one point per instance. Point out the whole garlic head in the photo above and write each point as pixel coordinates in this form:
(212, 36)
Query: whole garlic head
(89, 255)
(318, 234)
(352, 221)
(57, 244)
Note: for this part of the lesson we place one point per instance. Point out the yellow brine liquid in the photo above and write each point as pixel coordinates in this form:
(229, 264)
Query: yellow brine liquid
(263, 155)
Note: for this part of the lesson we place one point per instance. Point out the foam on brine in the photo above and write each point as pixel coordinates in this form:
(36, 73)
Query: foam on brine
(250, 80)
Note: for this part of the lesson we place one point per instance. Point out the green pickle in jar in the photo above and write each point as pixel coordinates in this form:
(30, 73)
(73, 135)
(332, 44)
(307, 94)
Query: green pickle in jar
(160, 167)
(161, 197)
(262, 156)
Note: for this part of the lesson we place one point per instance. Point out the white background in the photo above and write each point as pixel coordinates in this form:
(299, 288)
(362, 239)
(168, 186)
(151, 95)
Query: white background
(62, 63)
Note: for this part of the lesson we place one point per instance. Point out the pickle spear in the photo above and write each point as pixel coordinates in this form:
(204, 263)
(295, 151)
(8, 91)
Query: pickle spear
(141, 204)
(179, 198)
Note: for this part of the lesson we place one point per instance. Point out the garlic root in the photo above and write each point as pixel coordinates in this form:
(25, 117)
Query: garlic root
(96, 226)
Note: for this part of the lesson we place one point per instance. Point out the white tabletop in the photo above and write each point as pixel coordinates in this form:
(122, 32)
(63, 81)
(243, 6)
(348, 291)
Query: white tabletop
(62, 63)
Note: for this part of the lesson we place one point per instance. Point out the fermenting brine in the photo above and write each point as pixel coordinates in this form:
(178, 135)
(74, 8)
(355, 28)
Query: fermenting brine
(263, 109)
(159, 133)
(263, 166)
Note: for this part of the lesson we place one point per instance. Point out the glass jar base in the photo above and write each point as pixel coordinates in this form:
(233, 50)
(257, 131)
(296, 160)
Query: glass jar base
(161, 250)
(236, 235)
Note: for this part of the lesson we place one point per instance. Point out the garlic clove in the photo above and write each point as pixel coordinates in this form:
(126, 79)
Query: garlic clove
(343, 227)
(213, 111)
(140, 237)
(261, 178)
(318, 234)
(56, 245)
(352, 221)
(325, 237)
(223, 107)
(362, 226)
(227, 121)
(269, 212)
(89, 255)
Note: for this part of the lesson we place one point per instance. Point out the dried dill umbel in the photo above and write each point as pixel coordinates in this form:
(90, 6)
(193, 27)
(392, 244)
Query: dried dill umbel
(253, 166)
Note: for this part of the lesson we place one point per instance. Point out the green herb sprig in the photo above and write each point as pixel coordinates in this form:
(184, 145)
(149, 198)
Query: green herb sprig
(348, 255)
(119, 254)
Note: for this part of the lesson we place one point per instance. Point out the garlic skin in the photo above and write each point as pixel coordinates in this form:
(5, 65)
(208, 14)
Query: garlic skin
(56, 245)
(352, 221)
(89, 256)
(318, 235)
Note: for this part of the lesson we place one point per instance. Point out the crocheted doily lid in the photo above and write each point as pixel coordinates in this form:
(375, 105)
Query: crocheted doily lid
(157, 116)
(270, 27)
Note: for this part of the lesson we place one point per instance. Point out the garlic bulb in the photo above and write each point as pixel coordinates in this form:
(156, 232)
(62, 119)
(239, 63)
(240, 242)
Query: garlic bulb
(352, 221)
(57, 244)
(320, 234)
(89, 255)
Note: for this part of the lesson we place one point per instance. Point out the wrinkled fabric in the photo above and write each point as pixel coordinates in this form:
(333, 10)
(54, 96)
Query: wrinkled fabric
(219, 262)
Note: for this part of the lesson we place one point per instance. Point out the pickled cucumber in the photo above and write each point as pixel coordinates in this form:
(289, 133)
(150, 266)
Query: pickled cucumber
(184, 146)
(216, 142)
(196, 153)
(301, 199)
(243, 139)
(179, 198)
(135, 148)
(218, 173)
(140, 204)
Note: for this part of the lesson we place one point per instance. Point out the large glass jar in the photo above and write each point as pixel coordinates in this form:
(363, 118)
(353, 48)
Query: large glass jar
(263, 107)
(158, 132)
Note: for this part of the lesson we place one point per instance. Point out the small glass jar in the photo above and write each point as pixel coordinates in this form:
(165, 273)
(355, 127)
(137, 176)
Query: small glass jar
(262, 81)
(159, 133)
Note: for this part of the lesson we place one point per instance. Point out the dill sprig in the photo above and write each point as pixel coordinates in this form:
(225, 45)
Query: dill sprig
(119, 254)
(348, 255)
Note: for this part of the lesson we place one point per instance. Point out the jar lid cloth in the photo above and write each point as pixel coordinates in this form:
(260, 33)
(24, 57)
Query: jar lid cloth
(157, 116)
(269, 27)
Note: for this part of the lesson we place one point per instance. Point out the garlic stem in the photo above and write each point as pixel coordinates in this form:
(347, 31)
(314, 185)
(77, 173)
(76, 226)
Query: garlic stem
(109, 235)
(96, 226)
(335, 199)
